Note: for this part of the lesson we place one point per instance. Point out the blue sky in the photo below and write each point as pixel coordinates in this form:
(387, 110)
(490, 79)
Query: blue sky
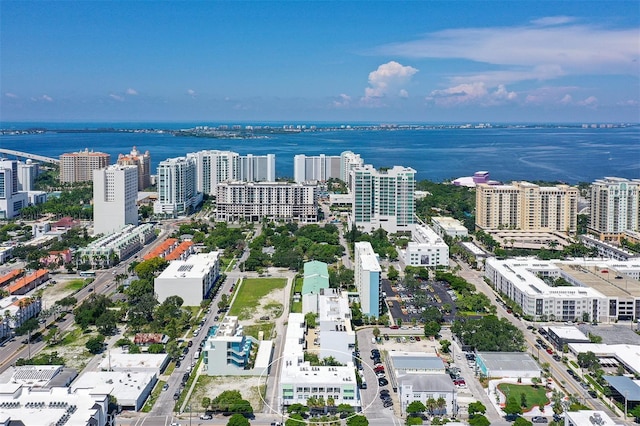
(417, 61)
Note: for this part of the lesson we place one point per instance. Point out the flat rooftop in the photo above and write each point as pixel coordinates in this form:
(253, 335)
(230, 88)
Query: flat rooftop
(416, 361)
(195, 266)
(604, 279)
(584, 417)
(508, 361)
(569, 332)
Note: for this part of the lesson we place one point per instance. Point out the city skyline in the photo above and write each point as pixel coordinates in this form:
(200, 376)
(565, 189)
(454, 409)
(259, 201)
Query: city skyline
(386, 61)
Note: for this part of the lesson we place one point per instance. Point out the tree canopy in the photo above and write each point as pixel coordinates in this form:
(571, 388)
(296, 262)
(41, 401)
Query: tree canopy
(490, 334)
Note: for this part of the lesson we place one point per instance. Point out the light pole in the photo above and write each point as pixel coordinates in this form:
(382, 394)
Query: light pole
(189, 408)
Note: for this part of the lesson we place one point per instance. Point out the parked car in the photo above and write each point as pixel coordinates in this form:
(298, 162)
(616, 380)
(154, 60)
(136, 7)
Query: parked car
(382, 381)
(206, 417)
(165, 386)
(394, 327)
(539, 419)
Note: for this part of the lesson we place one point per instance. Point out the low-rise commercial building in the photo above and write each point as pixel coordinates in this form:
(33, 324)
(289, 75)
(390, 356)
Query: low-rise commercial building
(427, 249)
(607, 250)
(507, 365)
(421, 377)
(337, 338)
(21, 404)
(25, 284)
(191, 279)
(131, 388)
(588, 418)
(563, 335)
(449, 226)
(299, 380)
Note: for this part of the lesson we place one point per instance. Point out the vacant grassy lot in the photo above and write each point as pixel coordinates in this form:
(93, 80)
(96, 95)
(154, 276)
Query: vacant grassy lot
(75, 285)
(535, 396)
(250, 294)
(253, 330)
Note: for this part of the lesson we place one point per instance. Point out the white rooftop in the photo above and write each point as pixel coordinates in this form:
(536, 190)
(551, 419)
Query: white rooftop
(425, 235)
(629, 355)
(125, 386)
(133, 362)
(195, 266)
(568, 332)
(473, 248)
(43, 406)
(590, 417)
(263, 358)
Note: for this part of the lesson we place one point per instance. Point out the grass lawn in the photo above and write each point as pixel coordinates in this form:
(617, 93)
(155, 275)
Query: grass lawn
(71, 337)
(297, 286)
(296, 307)
(169, 370)
(252, 330)
(155, 393)
(75, 285)
(535, 396)
(250, 293)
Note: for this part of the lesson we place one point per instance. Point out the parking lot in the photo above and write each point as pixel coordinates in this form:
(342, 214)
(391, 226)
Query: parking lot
(430, 293)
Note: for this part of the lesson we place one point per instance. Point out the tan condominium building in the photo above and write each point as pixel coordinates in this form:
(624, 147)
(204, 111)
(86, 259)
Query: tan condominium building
(140, 160)
(79, 166)
(527, 206)
(615, 207)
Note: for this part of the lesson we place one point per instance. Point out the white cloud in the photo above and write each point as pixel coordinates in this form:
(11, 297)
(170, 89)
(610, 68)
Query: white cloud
(191, 93)
(11, 95)
(567, 99)
(553, 43)
(461, 94)
(342, 101)
(388, 80)
(116, 97)
(46, 98)
(132, 92)
(553, 20)
(629, 102)
(590, 102)
(502, 93)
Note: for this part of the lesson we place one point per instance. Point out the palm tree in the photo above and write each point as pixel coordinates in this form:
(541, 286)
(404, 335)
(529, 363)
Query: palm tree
(431, 405)
(441, 405)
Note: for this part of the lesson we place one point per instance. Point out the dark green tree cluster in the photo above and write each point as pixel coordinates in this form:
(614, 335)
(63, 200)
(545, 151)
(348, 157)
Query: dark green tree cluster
(95, 345)
(221, 237)
(490, 334)
(74, 203)
(446, 199)
(380, 243)
(293, 246)
(230, 401)
(340, 277)
(95, 311)
(468, 299)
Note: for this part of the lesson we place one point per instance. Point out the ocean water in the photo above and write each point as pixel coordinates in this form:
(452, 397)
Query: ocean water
(565, 154)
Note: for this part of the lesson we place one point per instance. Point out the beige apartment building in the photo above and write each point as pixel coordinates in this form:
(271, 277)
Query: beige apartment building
(527, 206)
(79, 166)
(142, 162)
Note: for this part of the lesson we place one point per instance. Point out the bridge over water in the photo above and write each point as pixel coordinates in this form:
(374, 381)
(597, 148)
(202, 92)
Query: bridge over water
(31, 156)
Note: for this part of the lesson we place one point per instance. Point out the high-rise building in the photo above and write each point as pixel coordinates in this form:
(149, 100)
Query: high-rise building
(383, 199)
(257, 168)
(177, 186)
(615, 207)
(527, 206)
(115, 190)
(142, 162)
(348, 162)
(315, 168)
(11, 200)
(368, 278)
(254, 201)
(27, 173)
(79, 166)
(215, 167)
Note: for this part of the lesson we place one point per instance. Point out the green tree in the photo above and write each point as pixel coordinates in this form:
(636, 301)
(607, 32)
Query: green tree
(345, 409)
(512, 406)
(587, 359)
(431, 329)
(445, 346)
(295, 419)
(206, 402)
(479, 420)
(521, 421)
(416, 408)
(310, 318)
(376, 332)
(523, 400)
(392, 273)
(173, 350)
(238, 420)
(357, 420)
(27, 327)
(297, 408)
(156, 348)
(477, 407)
(95, 345)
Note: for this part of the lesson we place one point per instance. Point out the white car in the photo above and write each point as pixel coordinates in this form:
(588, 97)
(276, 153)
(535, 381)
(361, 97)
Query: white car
(205, 417)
